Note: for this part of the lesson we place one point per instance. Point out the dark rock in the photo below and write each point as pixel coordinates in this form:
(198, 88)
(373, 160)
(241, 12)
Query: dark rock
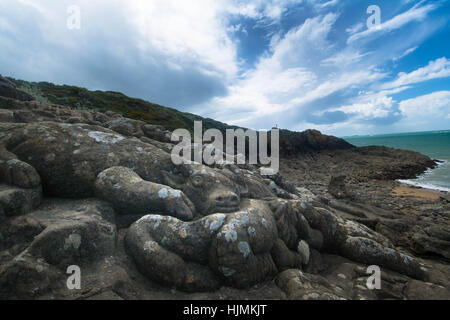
(17, 201)
(293, 143)
(338, 188)
(69, 158)
(77, 233)
(126, 127)
(7, 89)
(18, 173)
(27, 278)
(416, 290)
(302, 286)
(173, 252)
(284, 258)
(243, 228)
(157, 133)
(371, 252)
(241, 250)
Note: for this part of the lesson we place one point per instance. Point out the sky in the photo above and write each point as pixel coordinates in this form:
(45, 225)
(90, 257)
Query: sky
(296, 64)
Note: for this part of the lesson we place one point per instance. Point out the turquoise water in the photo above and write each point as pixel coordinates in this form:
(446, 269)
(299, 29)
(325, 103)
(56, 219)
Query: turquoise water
(435, 144)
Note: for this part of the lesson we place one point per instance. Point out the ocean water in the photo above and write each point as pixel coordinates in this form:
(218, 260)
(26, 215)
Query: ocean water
(435, 144)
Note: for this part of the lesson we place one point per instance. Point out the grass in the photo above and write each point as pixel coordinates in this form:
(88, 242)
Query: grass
(102, 101)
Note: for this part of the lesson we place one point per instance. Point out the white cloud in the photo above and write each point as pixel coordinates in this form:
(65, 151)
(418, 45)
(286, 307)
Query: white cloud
(414, 14)
(355, 28)
(177, 29)
(259, 9)
(439, 68)
(185, 54)
(345, 58)
(406, 53)
(176, 53)
(369, 107)
(291, 77)
(433, 105)
(280, 78)
(329, 3)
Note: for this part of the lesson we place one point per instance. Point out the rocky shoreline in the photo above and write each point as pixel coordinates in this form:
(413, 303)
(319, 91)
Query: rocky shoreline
(99, 191)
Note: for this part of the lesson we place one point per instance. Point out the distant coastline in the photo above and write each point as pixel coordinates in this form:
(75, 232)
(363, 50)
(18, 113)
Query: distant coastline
(434, 144)
(356, 136)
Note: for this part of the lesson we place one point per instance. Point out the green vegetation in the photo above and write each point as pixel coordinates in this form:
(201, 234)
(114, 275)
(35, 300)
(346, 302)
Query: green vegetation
(102, 101)
(291, 143)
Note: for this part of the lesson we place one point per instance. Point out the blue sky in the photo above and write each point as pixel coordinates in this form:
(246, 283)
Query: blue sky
(298, 64)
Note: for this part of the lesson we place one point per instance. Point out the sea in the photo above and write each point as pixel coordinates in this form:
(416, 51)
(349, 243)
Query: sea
(435, 144)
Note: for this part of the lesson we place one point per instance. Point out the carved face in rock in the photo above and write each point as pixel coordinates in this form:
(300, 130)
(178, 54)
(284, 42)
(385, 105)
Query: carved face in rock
(209, 189)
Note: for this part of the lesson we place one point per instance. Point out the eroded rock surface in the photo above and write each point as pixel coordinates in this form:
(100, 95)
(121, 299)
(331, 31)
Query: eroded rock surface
(100, 191)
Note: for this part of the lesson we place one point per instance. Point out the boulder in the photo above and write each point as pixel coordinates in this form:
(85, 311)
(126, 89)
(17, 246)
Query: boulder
(175, 253)
(18, 201)
(211, 190)
(373, 253)
(126, 127)
(20, 174)
(338, 188)
(133, 196)
(75, 232)
(233, 249)
(45, 242)
(240, 252)
(157, 133)
(69, 158)
(284, 258)
(27, 278)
